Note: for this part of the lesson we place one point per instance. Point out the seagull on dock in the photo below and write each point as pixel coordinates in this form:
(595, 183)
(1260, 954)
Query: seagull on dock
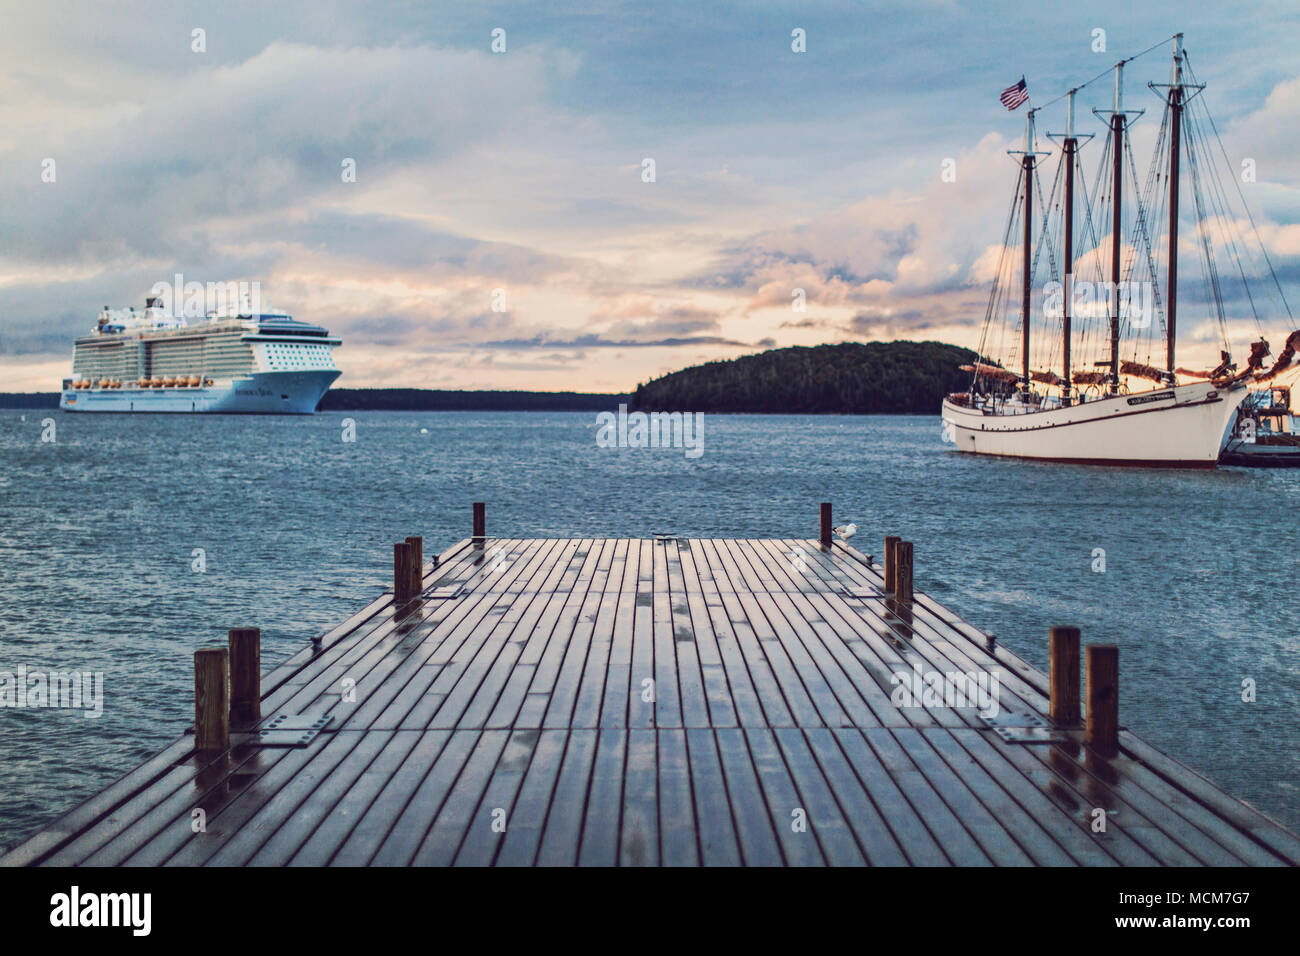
(846, 531)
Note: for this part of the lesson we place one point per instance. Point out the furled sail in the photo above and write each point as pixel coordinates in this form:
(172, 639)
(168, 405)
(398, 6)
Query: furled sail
(1284, 360)
(991, 371)
(1090, 378)
(1141, 370)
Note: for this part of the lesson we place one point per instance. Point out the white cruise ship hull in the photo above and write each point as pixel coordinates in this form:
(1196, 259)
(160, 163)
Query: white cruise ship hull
(261, 393)
(1184, 426)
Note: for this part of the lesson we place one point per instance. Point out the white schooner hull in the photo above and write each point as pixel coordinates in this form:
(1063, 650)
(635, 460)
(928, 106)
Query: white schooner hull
(1184, 426)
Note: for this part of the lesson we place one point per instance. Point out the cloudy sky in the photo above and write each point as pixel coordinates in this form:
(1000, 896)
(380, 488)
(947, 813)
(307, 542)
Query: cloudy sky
(522, 171)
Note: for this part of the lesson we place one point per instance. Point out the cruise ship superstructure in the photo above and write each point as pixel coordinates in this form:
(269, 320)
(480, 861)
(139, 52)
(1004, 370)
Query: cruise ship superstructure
(237, 361)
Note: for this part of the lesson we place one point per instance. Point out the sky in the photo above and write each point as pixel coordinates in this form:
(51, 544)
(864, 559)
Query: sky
(501, 231)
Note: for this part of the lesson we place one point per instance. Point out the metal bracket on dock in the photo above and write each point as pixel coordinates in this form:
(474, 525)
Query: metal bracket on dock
(1024, 729)
(292, 730)
(446, 592)
(862, 594)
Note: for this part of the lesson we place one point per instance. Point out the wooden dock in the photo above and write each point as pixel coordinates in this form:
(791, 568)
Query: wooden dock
(654, 702)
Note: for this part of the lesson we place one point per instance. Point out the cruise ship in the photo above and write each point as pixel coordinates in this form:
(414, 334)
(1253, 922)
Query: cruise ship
(259, 361)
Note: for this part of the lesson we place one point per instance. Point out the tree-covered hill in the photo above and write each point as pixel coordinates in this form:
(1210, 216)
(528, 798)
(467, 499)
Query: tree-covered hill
(851, 378)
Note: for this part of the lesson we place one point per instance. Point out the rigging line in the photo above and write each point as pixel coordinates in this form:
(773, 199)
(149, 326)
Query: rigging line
(994, 297)
(1156, 196)
(1216, 293)
(1057, 236)
(1140, 231)
(1090, 325)
(1106, 72)
(1044, 240)
(1219, 199)
(1249, 215)
(1044, 225)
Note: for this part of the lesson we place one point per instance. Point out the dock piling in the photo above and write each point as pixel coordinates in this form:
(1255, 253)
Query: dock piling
(212, 698)
(903, 571)
(401, 572)
(891, 567)
(245, 675)
(1063, 648)
(415, 557)
(480, 522)
(1101, 663)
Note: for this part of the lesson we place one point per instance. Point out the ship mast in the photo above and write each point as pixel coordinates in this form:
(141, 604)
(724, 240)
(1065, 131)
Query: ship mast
(1176, 109)
(1118, 121)
(1028, 162)
(1117, 196)
(1069, 156)
(1069, 147)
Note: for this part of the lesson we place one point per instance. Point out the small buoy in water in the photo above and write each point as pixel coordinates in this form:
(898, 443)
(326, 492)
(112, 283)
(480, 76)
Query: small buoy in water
(424, 431)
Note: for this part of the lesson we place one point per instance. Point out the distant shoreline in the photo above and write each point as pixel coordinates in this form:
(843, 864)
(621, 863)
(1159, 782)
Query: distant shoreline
(435, 400)
(407, 400)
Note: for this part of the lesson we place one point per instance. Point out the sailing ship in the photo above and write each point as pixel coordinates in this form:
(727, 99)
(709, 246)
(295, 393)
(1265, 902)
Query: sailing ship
(1117, 410)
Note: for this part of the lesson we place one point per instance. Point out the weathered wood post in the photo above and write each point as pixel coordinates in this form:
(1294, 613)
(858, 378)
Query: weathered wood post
(416, 558)
(401, 572)
(480, 522)
(903, 571)
(891, 565)
(824, 536)
(1101, 664)
(212, 698)
(245, 675)
(1063, 648)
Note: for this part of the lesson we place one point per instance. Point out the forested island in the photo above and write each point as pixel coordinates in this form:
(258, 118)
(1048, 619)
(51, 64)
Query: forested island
(847, 379)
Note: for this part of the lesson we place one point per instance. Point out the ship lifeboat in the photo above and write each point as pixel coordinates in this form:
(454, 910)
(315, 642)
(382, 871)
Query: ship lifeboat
(155, 383)
(142, 383)
(193, 381)
(103, 383)
(169, 383)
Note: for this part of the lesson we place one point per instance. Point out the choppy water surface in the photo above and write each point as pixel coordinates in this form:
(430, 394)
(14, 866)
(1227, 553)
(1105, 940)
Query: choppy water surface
(98, 532)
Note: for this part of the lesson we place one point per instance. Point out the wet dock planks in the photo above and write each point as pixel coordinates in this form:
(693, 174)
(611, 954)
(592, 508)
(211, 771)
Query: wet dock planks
(653, 702)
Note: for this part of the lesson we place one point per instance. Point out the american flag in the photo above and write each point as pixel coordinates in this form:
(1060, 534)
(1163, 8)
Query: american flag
(1015, 94)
